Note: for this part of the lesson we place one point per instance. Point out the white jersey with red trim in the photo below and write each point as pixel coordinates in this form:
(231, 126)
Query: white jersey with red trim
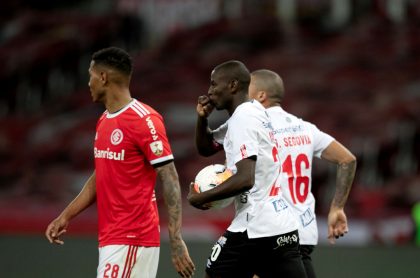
(298, 142)
(247, 133)
(128, 144)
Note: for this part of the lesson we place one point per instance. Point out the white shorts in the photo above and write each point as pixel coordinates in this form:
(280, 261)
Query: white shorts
(128, 261)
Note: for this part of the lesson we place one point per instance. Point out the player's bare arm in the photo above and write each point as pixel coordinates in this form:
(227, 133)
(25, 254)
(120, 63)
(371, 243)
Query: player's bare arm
(346, 169)
(242, 181)
(203, 137)
(172, 196)
(86, 197)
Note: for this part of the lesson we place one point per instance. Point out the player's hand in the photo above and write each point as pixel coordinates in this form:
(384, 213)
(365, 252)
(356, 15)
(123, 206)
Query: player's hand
(337, 224)
(181, 258)
(55, 229)
(204, 106)
(194, 199)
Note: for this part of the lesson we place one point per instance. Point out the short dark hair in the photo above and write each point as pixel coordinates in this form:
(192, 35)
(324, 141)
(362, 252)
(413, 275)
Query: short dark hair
(237, 70)
(115, 58)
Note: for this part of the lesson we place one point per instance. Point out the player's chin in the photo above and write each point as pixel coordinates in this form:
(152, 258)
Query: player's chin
(217, 106)
(95, 98)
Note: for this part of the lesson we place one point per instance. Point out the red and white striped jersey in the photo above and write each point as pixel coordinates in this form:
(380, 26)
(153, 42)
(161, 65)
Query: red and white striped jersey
(128, 144)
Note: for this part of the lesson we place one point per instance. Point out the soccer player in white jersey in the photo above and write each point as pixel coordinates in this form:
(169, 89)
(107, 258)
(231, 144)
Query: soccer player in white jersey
(299, 141)
(131, 149)
(262, 237)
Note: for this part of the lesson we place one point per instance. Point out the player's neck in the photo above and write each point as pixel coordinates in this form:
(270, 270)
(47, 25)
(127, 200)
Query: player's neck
(276, 104)
(241, 98)
(118, 101)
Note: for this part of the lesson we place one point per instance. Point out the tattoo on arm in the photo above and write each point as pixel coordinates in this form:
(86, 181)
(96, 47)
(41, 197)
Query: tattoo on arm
(345, 176)
(172, 196)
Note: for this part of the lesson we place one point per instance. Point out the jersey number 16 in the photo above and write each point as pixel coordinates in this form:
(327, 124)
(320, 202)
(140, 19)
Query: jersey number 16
(298, 183)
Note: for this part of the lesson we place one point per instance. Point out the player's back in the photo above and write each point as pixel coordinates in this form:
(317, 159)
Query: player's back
(298, 141)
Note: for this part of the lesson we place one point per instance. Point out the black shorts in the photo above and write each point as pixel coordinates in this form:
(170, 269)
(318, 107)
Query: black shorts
(306, 251)
(236, 255)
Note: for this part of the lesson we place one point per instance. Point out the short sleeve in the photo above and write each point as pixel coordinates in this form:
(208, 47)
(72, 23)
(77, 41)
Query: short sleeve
(150, 136)
(220, 133)
(321, 140)
(243, 136)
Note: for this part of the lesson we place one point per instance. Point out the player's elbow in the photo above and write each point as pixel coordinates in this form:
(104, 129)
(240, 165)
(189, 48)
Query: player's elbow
(247, 187)
(247, 182)
(349, 159)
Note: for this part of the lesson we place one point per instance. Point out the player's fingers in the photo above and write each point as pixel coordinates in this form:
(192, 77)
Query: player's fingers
(186, 273)
(331, 235)
(189, 265)
(63, 231)
(342, 230)
(337, 232)
(331, 239)
(186, 267)
(203, 100)
(47, 234)
(182, 271)
(51, 232)
(58, 241)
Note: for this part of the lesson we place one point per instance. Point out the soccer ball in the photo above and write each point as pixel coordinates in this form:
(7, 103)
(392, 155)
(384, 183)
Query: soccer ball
(210, 177)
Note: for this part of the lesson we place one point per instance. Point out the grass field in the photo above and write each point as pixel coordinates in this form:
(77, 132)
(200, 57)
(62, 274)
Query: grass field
(33, 256)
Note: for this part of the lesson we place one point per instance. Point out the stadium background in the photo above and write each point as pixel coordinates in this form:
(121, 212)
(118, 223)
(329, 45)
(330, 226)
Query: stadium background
(350, 66)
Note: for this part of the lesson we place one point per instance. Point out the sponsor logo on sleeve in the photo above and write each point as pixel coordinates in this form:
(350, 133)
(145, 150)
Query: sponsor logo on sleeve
(116, 136)
(152, 128)
(157, 147)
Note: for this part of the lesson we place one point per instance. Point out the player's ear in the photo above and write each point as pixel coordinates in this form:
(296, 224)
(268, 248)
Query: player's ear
(261, 96)
(104, 77)
(234, 84)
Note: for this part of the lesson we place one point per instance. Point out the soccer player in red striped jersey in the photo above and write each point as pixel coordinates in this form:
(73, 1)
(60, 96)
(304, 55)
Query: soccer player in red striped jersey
(131, 150)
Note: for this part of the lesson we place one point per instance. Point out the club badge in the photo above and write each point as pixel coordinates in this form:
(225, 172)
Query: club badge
(157, 147)
(116, 136)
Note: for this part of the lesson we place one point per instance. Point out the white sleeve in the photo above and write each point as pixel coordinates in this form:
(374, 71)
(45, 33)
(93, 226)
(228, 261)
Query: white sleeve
(321, 140)
(220, 133)
(244, 137)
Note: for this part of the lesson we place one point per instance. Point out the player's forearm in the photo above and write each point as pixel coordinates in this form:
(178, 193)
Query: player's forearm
(345, 176)
(242, 181)
(172, 197)
(203, 137)
(86, 197)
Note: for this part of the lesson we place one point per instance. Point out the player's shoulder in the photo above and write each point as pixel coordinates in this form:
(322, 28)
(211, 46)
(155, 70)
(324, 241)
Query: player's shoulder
(254, 105)
(103, 115)
(279, 113)
(142, 110)
(250, 109)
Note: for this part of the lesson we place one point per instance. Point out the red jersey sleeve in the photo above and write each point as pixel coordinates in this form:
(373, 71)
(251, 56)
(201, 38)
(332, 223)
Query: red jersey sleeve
(151, 138)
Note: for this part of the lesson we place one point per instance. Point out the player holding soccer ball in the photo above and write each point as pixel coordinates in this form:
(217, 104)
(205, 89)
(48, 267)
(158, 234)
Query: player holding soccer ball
(299, 141)
(262, 238)
(131, 150)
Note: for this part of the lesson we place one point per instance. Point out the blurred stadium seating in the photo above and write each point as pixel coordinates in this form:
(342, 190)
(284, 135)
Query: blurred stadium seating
(360, 83)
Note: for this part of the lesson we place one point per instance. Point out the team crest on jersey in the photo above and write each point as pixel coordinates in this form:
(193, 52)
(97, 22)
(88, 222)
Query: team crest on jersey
(116, 136)
(157, 148)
